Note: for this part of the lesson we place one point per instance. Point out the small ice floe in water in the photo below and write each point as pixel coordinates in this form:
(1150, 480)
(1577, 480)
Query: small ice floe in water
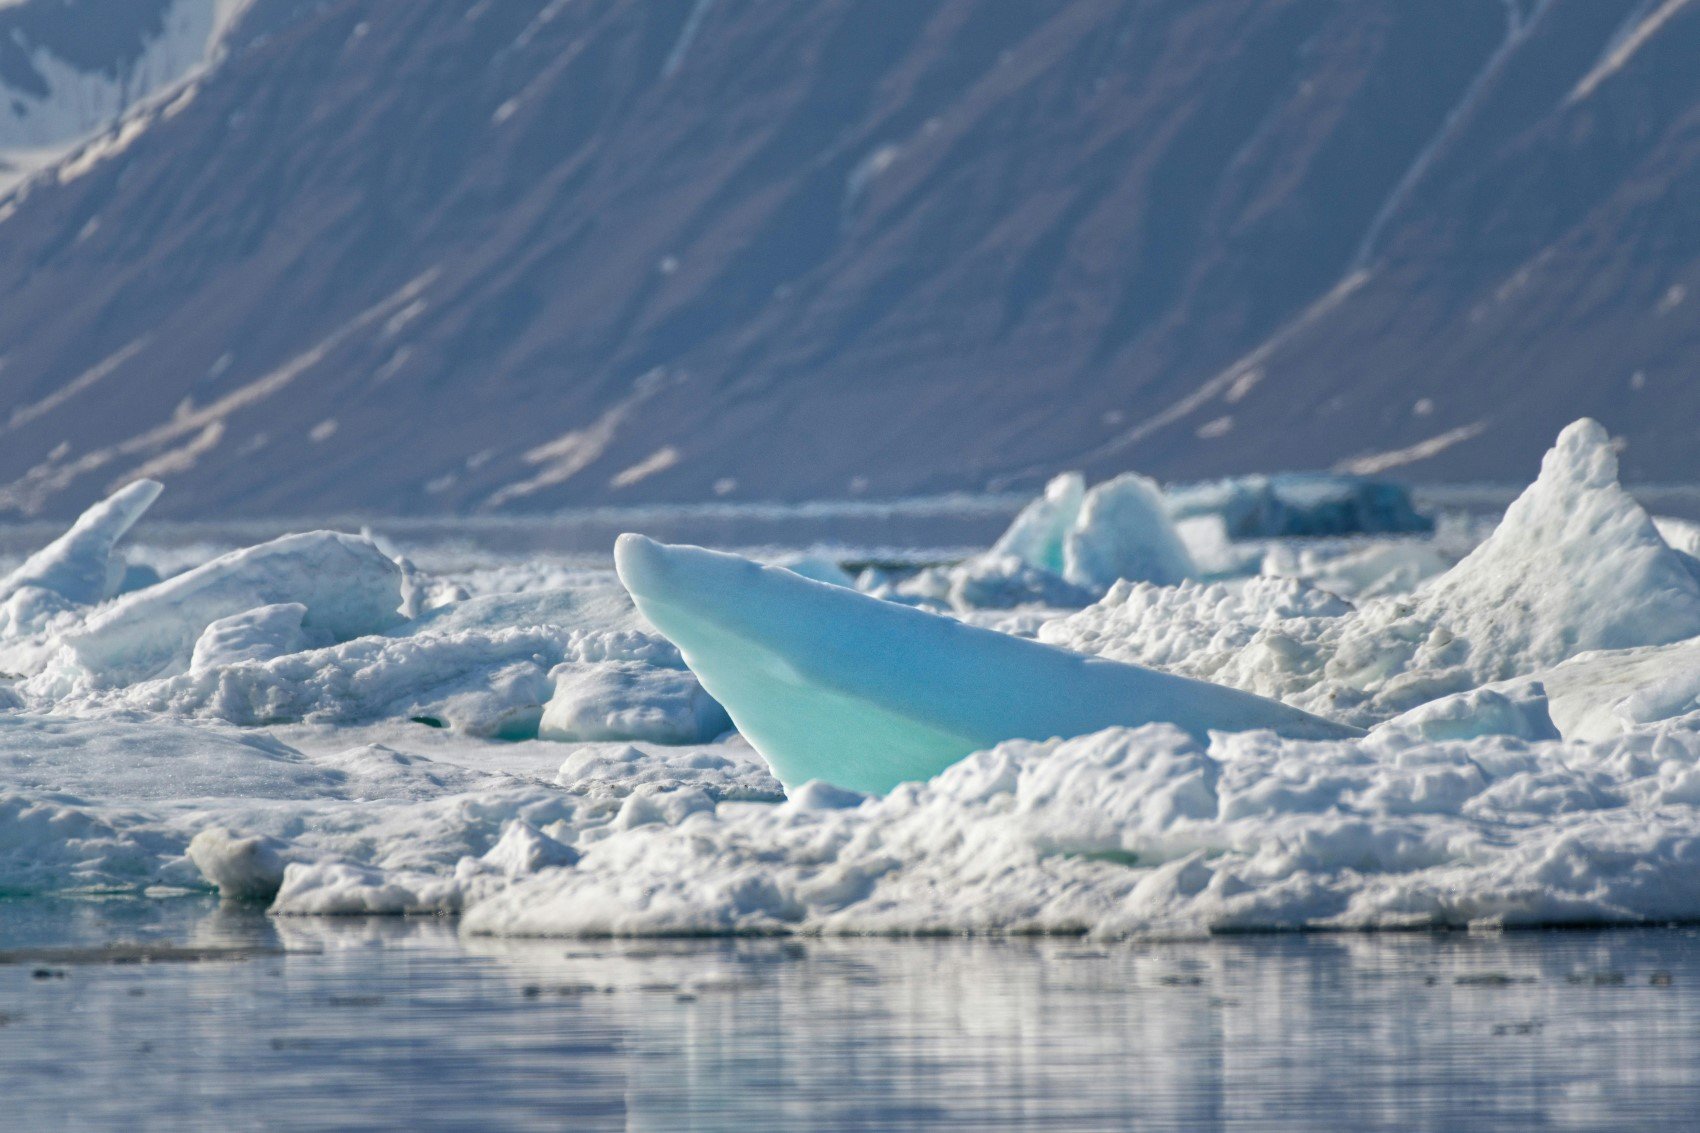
(834, 685)
(1091, 538)
(1064, 550)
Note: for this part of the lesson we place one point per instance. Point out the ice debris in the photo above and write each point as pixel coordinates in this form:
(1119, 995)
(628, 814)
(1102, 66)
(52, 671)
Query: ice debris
(1091, 538)
(83, 566)
(1575, 565)
(833, 685)
(1301, 504)
(1149, 830)
(260, 634)
(348, 586)
(630, 701)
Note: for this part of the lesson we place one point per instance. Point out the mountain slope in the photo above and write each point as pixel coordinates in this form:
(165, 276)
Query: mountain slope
(475, 255)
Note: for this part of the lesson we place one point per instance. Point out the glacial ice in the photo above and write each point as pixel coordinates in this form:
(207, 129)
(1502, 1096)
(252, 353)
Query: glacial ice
(1036, 535)
(1123, 530)
(1575, 565)
(864, 694)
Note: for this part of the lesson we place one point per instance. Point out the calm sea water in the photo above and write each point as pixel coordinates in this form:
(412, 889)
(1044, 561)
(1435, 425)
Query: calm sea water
(179, 1015)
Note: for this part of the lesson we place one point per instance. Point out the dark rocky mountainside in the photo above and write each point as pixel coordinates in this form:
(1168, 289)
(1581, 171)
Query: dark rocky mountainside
(467, 255)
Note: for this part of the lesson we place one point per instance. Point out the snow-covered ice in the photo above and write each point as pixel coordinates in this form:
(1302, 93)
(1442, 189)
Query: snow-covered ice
(82, 566)
(1136, 713)
(348, 587)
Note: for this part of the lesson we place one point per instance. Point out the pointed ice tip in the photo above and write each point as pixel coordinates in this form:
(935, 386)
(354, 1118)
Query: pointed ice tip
(1583, 454)
(637, 561)
(141, 489)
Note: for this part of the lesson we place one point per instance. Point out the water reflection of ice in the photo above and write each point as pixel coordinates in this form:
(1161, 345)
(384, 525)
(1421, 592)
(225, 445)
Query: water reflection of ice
(385, 1023)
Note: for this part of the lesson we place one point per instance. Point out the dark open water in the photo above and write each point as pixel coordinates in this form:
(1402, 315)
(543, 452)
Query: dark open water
(205, 1018)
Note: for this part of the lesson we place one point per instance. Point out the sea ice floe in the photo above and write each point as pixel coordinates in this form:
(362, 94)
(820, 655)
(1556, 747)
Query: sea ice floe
(1090, 538)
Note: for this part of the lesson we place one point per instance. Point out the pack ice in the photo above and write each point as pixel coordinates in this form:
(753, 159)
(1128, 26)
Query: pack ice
(1377, 730)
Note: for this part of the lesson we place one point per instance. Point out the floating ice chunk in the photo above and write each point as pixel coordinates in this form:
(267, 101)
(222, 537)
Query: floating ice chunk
(1575, 565)
(1123, 530)
(1296, 504)
(255, 635)
(833, 685)
(1119, 529)
(1037, 534)
(348, 585)
(244, 868)
(625, 701)
(83, 566)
